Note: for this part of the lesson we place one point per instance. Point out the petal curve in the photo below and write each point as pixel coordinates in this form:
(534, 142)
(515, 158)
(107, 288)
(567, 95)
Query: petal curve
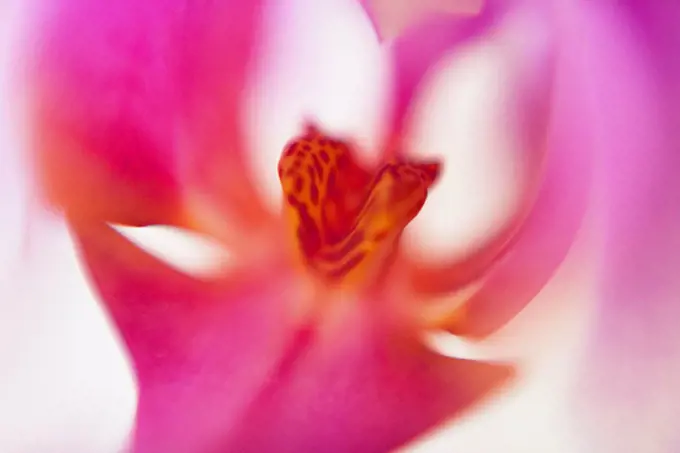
(532, 255)
(104, 96)
(232, 368)
(528, 56)
(416, 52)
(115, 90)
(628, 378)
(201, 350)
(362, 385)
(225, 39)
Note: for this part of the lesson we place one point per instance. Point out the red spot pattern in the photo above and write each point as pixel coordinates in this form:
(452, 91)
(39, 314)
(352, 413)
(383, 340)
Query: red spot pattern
(344, 211)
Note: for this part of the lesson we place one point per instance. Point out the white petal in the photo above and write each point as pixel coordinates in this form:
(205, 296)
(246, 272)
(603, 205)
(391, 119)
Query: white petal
(14, 184)
(65, 384)
(547, 340)
(323, 62)
(466, 118)
(186, 251)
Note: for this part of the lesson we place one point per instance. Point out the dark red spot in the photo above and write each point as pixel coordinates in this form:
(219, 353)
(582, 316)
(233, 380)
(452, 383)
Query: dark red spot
(314, 194)
(310, 172)
(317, 165)
(291, 149)
(324, 156)
(323, 142)
(308, 233)
(307, 147)
(297, 164)
(381, 236)
(330, 184)
(298, 185)
(342, 161)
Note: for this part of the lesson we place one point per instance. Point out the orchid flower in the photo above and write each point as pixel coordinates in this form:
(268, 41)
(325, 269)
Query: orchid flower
(311, 335)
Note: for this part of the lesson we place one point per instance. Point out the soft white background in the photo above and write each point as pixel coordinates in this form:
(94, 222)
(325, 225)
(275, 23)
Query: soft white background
(65, 385)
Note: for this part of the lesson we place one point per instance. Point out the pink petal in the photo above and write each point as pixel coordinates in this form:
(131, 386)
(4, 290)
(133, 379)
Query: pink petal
(530, 54)
(628, 385)
(414, 54)
(545, 238)
(358, 383)
(105, 101)
(221, 54)
(201, 350)
(535, 253)
(416, 51)
(226, 367)
(514, 265)
(110, 91)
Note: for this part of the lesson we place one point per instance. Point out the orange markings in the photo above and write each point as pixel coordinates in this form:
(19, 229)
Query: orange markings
(343, 216)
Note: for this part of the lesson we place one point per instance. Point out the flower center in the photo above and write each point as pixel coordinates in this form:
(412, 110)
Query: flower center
(346, 220)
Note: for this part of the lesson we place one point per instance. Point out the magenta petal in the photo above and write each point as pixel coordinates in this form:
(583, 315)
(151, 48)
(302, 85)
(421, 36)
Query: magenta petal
(357, 385)
(528, 42)
(113, 84)
(544, 239)
(515, 264)
(536, 252)
(105, 97)
(224, 367)
(201, 351)
(221, 51)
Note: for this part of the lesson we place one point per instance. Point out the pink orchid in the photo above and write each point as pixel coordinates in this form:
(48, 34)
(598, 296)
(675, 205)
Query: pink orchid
(312, 337)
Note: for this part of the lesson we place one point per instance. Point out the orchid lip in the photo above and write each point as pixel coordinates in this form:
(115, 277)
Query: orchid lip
(347, 220)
